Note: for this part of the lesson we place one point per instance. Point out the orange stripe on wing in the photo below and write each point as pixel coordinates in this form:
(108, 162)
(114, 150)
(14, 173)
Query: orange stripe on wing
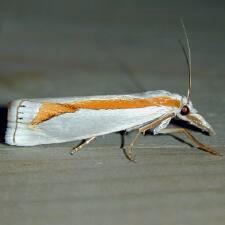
(49, 110)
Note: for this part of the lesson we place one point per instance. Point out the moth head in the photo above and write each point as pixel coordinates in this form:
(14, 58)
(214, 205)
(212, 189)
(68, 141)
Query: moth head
(189, 114)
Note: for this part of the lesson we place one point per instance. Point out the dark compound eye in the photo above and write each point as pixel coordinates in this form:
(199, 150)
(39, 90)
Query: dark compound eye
(185, 110)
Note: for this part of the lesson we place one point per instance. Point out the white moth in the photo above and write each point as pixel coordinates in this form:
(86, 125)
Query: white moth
(55, 120)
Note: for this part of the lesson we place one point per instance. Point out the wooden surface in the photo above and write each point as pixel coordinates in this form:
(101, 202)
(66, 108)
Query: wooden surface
(112, 47)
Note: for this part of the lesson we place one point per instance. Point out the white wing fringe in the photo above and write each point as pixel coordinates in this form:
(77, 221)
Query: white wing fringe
(20, 114)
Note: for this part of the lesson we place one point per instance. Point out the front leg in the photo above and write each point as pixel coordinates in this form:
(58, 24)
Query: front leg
(199, 145)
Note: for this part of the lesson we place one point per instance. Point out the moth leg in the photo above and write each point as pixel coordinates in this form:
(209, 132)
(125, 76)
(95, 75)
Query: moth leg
(199, 145)
(82, 144)
(142, 130)
(128, 151)
(155, 123)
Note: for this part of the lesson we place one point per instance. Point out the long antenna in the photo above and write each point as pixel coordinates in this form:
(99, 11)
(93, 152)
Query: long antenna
(187, 54)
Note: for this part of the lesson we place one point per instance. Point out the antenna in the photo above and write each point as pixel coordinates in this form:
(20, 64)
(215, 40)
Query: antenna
(187, 53)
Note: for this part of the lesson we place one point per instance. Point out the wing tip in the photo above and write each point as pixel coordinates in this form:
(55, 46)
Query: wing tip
(19, 111)
(11, 121)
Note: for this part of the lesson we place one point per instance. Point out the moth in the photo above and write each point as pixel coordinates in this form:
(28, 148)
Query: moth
(56, 120)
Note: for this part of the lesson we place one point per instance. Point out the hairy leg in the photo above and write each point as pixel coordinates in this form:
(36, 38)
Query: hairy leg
(81, 145)
(142, 130)
(200, 145)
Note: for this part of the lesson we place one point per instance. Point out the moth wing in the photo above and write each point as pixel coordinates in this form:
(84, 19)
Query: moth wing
(81, 124)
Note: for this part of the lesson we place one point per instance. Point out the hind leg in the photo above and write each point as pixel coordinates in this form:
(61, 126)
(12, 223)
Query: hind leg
(82, 144)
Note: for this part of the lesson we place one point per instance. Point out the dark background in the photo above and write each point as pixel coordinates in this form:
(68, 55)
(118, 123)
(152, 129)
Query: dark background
(71, 48)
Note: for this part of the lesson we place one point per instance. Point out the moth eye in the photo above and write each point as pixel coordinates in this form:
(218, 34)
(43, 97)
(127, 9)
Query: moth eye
(185, 110)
